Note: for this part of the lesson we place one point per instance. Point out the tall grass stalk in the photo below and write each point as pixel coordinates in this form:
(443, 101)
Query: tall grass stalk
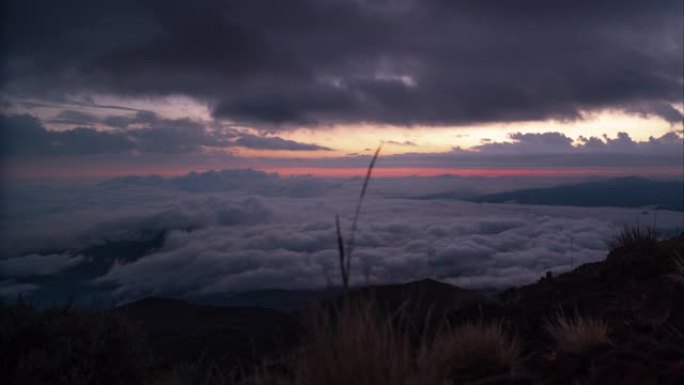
(346, 252)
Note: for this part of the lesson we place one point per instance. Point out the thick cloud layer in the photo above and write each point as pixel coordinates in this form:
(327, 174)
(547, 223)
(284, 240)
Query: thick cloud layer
(144, 132)
(312, 62)
(226, 232)
(557, 150)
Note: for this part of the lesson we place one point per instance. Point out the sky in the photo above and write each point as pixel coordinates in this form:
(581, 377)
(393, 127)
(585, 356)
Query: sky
(189, 148)
(93, 90)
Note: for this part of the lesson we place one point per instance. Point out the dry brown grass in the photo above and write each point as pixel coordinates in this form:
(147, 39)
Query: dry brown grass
(677, 266)
(578, 334)
(345, 252)
(353, 346)
(356, 345)
(635, 238)
(468, 352)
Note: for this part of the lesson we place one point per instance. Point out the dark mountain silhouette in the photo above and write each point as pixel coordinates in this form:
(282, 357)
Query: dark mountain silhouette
(421, 297)
(180, 331)
(620, 192)
(422, 293)
(278, 299)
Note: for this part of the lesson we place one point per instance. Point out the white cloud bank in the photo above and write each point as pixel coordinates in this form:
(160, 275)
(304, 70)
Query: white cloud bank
(223, 240)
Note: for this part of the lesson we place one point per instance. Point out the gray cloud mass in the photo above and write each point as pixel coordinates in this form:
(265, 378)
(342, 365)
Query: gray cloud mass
(146, 133)
(143, 132)
(315, 62)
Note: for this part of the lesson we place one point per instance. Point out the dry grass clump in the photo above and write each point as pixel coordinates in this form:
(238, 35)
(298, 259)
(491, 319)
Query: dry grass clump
(678, 262)
(678, 266)
(578, 334)
(468, 352)
(353, 346)
(356, 345)
(635, 238)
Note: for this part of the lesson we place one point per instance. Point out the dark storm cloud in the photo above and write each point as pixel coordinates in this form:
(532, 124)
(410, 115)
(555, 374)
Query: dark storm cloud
(37, 265)
(275, 143)
(24, 135)
(143, 132)
(314, 62)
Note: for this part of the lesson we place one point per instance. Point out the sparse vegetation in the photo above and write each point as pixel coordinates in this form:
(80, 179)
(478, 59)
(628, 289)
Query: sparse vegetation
(577, 334)
(678, 266)
(678, 262)
(353, 345)
(199, 372)
(356, 345)
(471, 351)
(635, 238)
(64, 345)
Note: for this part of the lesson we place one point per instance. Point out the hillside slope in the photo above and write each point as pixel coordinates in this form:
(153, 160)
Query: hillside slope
(620, 192)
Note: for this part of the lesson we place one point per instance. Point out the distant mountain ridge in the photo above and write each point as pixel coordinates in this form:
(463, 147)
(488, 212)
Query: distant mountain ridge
(619, 192)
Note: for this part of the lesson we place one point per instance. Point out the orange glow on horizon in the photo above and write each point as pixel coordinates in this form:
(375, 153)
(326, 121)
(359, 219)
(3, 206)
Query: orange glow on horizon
(387, 172)
(332, 172)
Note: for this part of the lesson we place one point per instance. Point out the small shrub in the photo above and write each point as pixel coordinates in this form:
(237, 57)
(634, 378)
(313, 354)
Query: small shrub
(578, 334)
(635, 238)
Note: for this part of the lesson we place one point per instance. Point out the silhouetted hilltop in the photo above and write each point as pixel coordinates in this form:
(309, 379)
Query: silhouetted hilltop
(279, 299)
(619, 192)
(421, 297)
(180, 331)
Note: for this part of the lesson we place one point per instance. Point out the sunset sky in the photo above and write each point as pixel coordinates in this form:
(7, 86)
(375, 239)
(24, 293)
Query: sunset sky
(97, 89)
(196, 148)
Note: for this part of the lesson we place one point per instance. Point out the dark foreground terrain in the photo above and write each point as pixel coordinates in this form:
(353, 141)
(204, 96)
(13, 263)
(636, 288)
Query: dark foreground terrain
(619, 321)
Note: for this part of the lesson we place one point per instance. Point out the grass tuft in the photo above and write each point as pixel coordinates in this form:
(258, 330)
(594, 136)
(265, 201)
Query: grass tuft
(353, 345)
(635, 238)
(356, 345)
(677, 266)
(469, 352)
(578, 334)
(678, 262)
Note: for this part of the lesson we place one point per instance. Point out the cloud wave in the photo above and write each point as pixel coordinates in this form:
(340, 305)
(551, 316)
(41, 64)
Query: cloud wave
(217, 239)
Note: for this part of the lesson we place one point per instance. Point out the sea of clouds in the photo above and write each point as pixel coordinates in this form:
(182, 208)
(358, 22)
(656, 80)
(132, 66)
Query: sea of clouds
(226, 232)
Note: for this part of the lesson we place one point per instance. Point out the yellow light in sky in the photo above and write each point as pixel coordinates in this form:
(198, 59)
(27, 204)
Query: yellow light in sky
(364, 138)
(347, 139)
